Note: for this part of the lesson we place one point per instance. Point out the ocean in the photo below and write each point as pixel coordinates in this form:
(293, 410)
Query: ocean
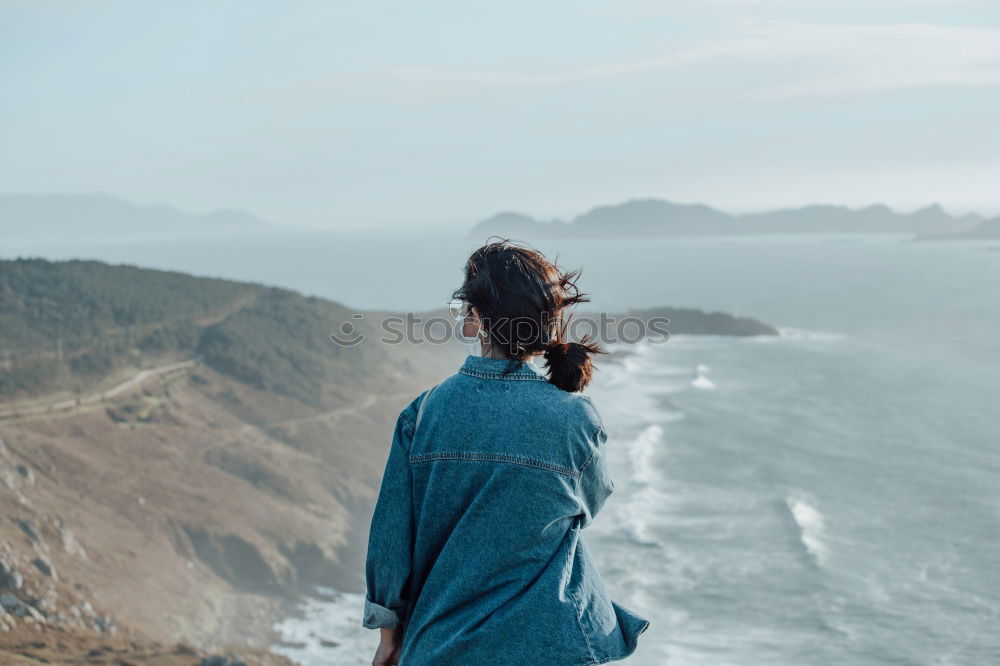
(827, 496)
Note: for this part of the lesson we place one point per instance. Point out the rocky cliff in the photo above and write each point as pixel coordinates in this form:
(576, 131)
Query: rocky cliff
(189, 456)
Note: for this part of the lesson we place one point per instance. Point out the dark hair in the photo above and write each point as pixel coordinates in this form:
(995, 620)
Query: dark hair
(521, 297)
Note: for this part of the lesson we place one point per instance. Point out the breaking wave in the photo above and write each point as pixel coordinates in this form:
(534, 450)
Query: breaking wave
(811, 526)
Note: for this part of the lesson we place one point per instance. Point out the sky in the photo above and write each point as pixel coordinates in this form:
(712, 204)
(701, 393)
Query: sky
(411, 114)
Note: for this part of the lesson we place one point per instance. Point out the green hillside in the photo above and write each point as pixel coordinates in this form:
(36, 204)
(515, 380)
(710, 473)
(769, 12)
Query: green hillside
(69, 325)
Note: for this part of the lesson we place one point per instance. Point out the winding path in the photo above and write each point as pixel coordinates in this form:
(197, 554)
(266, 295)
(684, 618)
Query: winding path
(12, 410)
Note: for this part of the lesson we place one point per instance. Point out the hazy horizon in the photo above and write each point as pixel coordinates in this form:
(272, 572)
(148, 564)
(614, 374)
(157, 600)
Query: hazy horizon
(468, 224)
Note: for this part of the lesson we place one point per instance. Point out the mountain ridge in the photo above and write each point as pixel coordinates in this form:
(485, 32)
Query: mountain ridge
(659, 218)
(33, 216)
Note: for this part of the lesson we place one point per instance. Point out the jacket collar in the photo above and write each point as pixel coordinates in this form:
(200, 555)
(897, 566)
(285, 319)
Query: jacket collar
(496, 368)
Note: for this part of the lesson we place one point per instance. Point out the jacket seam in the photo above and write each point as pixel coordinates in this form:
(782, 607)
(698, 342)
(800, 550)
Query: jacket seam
(583, 468)
(600, 418)
(592, 453)
(496, 375)
(409, 426)
(578, 607)
(494, 457)
(604, 661)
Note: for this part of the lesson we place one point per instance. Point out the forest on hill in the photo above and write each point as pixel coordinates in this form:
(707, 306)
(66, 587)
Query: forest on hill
(71, 325)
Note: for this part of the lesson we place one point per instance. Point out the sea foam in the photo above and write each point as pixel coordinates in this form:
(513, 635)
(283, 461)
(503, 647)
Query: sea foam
(700, 380)
(810, 523)
(641, 450)
(802, 334)
(643, 497)
(328, 631)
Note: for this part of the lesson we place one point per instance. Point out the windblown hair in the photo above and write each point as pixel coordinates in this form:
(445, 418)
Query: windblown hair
(521, 298)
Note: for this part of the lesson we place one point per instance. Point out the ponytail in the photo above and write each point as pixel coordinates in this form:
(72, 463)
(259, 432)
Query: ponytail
(569, 364)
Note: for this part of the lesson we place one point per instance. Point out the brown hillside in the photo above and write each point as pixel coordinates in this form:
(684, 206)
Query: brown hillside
(185, 491)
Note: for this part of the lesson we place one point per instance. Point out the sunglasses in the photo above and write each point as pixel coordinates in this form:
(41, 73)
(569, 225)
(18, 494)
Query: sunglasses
(458, 309)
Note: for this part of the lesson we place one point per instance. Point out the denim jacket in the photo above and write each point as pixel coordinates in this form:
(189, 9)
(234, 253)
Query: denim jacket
(475, 547)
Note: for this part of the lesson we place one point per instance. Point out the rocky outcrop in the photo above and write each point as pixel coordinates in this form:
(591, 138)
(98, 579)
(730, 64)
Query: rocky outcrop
(38, 642)
(35, 596)
(657, 324)
(228, 660)
(235, 560)
(688, 321)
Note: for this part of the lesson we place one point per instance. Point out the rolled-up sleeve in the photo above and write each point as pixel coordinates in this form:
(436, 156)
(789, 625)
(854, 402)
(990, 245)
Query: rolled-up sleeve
(595, 484)
(390, 541)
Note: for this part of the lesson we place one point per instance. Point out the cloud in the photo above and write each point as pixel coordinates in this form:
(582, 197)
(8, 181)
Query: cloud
(783, 58)
(859, 59)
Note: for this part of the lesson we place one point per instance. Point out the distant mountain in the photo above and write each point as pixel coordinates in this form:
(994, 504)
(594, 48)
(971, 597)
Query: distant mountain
(651, 217)
(655, 218)
(985, 230)
(516, 224)
(69, 216)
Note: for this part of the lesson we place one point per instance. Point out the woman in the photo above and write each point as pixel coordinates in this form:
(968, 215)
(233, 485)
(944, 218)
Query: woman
(474, 555)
